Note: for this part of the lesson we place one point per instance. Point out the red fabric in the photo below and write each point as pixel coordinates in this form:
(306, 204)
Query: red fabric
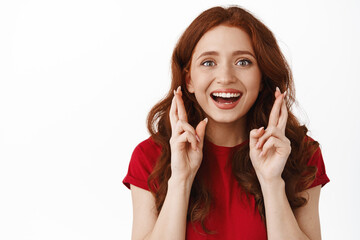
(232, 216)
(321, 177)
(142, 162)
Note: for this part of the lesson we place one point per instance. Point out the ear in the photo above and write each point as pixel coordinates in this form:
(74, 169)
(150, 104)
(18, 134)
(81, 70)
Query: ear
(189, 82)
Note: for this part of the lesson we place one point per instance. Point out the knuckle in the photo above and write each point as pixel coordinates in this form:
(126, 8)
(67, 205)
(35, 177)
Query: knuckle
(265, 148)
(186, 134)
(270, 130)
(271, 140)
(183, 124)
(178, 125)
(276, 130)
(263, 139)
(190, 135)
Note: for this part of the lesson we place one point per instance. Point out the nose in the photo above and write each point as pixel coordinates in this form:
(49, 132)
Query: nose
(225, 75)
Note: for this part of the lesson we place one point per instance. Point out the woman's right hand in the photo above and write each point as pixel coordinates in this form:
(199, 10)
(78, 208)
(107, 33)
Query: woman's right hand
(186, 143)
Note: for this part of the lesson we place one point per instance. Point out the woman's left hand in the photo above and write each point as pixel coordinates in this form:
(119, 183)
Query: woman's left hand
(270, 148)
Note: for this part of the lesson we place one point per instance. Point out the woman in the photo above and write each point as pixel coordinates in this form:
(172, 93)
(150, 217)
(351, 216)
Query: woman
(226, 159)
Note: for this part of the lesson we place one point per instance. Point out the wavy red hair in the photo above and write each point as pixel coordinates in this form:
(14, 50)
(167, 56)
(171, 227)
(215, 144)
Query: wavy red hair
(275, 72)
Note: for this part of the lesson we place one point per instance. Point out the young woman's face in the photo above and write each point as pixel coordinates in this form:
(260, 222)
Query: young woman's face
(224, 74)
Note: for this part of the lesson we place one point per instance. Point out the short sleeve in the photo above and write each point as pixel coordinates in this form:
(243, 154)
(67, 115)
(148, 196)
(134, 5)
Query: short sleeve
(321, 177)
(142, 162)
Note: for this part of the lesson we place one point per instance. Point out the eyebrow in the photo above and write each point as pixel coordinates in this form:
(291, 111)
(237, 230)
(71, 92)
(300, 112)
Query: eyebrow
(214, 53)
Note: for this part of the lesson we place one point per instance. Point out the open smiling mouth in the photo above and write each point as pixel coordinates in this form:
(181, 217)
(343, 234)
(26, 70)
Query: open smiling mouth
(226, 100)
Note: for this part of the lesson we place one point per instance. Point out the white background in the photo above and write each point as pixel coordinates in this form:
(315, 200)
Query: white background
(77, 79)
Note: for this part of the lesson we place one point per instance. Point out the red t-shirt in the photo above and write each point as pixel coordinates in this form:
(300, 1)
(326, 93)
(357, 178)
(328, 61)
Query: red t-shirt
(232, 216)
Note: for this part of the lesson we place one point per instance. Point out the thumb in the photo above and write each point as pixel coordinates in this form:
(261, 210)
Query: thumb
(200, 131)
(255, 134)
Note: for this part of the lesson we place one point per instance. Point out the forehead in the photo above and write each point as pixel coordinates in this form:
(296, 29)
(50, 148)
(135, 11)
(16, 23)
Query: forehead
(224, 39)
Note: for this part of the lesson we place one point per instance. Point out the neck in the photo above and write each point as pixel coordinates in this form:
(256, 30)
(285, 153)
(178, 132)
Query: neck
(227, 134)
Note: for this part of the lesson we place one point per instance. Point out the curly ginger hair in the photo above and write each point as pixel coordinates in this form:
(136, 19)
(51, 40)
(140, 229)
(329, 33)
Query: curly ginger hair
(275, 72)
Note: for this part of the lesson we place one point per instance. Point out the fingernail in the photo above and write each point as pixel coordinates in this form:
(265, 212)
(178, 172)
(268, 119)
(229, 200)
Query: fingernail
(259, 130)
(197, 138)
(278, 89)
(285, 94)
(174, 92)
(206, 120)
(178, 89)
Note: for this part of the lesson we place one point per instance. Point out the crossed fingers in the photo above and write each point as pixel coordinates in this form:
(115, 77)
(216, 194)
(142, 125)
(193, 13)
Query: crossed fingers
(278, 114)
(177, 109)
(182, 131)
(274, 134)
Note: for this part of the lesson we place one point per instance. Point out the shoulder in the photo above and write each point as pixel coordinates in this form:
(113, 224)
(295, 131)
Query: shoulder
(148, 143)
(142, 162)
(307, 138)
(146, 153)
(316, 159)
(148, 148)
(313, 148)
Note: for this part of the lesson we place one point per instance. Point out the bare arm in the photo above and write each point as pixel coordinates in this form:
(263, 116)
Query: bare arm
(282, 222)
(171, 222)
(308, 216)
(144, 212)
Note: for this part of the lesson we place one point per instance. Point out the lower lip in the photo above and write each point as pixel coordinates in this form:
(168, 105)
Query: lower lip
(227, 105)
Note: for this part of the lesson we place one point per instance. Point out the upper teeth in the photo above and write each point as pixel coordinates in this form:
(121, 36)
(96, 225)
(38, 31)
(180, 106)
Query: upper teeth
(226, 95)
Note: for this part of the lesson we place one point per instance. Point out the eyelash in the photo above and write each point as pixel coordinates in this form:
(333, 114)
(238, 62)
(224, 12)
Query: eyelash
(248, 62)
(208, 61)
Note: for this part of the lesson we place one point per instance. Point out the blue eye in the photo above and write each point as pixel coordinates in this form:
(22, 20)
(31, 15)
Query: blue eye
(243, 62)
(208, 63)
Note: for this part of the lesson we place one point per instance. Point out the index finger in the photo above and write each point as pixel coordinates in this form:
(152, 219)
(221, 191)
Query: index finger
(180, 105)
(172, 114)
(275, 111)
(283, 116)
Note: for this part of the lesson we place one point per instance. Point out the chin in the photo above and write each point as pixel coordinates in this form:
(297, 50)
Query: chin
(225, 119)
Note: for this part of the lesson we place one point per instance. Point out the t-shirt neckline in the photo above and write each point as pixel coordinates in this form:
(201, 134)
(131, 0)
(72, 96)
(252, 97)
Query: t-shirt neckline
(219, 148)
